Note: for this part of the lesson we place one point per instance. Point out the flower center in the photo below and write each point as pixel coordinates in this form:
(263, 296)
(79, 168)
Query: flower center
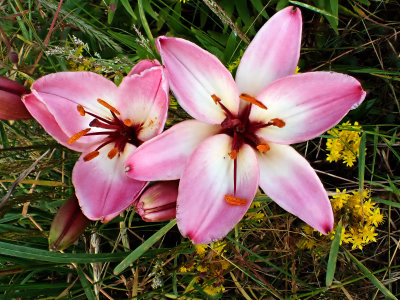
(116, 131)
(243, 131)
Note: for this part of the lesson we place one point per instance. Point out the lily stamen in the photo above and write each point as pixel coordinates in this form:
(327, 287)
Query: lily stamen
(109, 106)
(81, 110)
(112, 153)
(278, 122)
(91, 155)
(235, 200)
(233, 154)
(251, 99)
(78, 135)
(263, 148)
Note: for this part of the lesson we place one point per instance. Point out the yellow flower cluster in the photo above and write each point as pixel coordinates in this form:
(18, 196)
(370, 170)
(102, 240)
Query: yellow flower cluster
(209, 267)
(359, 215)
(254, 213)
(344, 144)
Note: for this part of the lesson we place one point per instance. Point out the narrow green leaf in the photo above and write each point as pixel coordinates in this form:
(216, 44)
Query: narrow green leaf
(128, 8)
(111, 13)
(139, 251)
(370, 276)
(87, 286)
(333, 253)
(145, 24)
(361, 161)
(313, 8)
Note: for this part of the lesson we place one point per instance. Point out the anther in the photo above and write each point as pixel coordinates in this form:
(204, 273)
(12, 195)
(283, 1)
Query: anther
(235, 201)
(263, 148)
(91, 155)
(251, 99)
(112, 153)
(215, 98)
(278, 122)
(110, 107)
(128, 122)
(81, 110)
(78, 135)
(233, 154)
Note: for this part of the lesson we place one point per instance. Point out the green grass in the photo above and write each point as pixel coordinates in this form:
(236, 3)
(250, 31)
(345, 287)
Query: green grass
(128, 258)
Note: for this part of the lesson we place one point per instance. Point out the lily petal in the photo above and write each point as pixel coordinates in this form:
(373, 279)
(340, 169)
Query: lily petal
(203, 214)
(273, 53)
(143, 65)
(12, 108)
(292, 183)
(101, 186)
(143, 99)
(164, 157)
(308, 103)
(195, 75)
(41, 113)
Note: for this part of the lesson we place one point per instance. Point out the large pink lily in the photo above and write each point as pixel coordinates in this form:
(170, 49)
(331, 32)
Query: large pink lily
(89, 113)
(240, 138)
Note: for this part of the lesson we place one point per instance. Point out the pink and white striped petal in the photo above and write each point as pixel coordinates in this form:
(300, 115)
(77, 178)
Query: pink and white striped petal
(101, 186)
(292, 183)
(194, 76)
(203, 214)
(143, 65)
(41, 113)
(273, 53)
(308, 103)
(143, 100)
(165, 156)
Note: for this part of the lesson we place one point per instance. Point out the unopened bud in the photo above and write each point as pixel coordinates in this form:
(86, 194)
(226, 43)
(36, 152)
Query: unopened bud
(13, 56)
(68, 224)
(158, 202)
(11, 106)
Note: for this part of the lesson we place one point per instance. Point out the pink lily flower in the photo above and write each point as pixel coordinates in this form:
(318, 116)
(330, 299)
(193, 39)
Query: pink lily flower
(88, 113)
(240, 137)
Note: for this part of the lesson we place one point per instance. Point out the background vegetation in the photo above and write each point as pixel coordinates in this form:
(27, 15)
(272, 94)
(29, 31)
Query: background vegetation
(270, 255)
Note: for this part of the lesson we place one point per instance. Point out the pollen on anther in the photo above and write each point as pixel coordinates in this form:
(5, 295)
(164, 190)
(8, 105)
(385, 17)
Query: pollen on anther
(278, 122)
(215, 98)
(263, 148)
(128, 122)
(109, 106)
(233, 154)
(81, 110)
(91, 155)
(251, 99)
(235, 201)
(78, 135)
(112, 153)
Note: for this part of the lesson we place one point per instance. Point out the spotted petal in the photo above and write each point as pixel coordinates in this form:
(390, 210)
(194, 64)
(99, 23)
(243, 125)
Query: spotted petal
(195, 75)
(101, 186)
(273, 53)
(164, 157)
(308, 103)
(291, 182)
(203, 214)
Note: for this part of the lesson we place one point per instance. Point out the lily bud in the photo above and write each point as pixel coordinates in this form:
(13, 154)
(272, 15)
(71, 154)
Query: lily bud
(158, 202)
(11, 106)
(68, 224)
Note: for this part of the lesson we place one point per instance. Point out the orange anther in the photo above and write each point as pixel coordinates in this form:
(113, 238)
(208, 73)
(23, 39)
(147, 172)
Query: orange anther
(263, 148)
(233, 154)
(128, 122)
(91, 155)
(78, 135)
(110, 107)
(278, 122)
(251, 99)
(81, 110)
(235, 201)
(112, 153)
(215, 98)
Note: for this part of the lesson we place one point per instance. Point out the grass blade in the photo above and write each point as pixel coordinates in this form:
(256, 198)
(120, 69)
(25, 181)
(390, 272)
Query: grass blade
(330, 272)
(85, 284)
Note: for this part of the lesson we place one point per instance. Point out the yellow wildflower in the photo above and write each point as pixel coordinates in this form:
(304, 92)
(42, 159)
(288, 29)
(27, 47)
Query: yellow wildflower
(376, 218)
(201, 249)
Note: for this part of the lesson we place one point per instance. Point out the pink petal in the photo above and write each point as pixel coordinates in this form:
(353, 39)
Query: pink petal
(12, 108)
(292, 183)
(101, 186)
(143, 65)
(203, 214)
(273, 53)
(164, 157)
(62, 92)
(195, 75)
(308, 103)
(41, 113)
(144, 100)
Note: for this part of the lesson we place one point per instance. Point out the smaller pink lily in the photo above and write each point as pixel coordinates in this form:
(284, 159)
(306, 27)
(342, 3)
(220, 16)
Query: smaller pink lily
(242, 130)
(88, 113)
(11, 106)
